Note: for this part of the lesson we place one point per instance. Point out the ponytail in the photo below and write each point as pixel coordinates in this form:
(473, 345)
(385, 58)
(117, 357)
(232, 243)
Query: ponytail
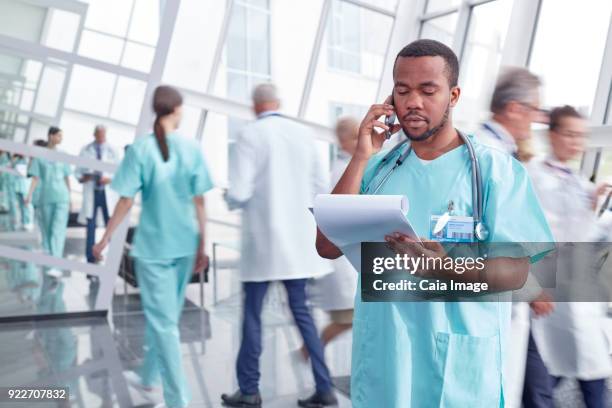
(160, 135)
(165, 102)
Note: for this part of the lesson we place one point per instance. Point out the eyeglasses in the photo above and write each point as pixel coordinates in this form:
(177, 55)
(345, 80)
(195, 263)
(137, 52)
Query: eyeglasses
(569, 133)
(534, 108)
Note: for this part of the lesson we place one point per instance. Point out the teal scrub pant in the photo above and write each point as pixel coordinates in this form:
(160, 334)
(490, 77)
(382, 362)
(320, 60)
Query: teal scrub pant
(53, 226)
(162, 286)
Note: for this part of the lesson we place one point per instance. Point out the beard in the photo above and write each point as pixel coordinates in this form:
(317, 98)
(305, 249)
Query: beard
(429, 132)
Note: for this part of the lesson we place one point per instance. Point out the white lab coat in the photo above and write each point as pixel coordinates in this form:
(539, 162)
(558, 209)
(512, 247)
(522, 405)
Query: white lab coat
(336, 291)
(496, 136)
(571, 340)
(274, 174)
(109, 155)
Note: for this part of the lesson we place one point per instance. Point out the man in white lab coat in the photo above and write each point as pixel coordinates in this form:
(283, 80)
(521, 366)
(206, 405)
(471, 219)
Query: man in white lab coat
(571, 340)
(514, 107)
(275, 173)
(95, 194)
(335, 292)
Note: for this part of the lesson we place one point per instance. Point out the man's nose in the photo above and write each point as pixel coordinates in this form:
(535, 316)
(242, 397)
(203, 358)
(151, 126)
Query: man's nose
(414, 101)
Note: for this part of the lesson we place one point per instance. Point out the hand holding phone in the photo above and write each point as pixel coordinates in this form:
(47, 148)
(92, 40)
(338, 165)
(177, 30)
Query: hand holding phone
(390, 120)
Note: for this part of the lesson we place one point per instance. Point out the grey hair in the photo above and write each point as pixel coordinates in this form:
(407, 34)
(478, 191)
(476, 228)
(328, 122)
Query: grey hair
(263, 93)
(99, 127)
(347, 121)
(514, 84)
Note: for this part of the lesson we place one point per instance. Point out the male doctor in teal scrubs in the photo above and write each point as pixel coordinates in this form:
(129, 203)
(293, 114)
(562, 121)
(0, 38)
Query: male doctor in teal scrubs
(424, 353)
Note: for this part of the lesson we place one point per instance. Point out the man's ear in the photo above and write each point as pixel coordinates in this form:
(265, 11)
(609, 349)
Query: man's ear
(455, 92)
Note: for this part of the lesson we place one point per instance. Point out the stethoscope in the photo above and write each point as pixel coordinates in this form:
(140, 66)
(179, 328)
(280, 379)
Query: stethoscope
(481, 232)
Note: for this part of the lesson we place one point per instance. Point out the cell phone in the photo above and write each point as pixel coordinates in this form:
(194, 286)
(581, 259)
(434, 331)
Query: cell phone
(390, 120)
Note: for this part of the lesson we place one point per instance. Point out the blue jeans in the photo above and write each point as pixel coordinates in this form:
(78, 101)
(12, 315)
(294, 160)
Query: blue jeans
(99, 203)
(593, 391)
(539, 385)
(247, 366)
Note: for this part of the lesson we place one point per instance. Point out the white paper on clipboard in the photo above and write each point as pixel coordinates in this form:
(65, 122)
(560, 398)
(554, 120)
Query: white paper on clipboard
(348, 219)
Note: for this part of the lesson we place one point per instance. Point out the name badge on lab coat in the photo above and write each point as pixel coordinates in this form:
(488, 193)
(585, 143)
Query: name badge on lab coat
(455, 229)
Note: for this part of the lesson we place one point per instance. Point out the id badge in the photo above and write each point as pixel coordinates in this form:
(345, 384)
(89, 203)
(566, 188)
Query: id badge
(456, 229)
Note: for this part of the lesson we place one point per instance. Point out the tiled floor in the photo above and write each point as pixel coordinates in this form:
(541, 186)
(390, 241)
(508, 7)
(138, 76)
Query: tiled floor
(89, 355)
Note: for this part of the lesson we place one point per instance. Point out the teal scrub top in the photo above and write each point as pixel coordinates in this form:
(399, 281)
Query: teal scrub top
(167, 228)
(21, 185)
(445, 354)
(51, 187)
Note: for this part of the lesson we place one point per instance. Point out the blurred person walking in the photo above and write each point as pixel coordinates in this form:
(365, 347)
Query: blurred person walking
(275, 173)
(170, 172)
(335, 292)
(52, 179)
(515, 105)
(571, 340)
(95, 194)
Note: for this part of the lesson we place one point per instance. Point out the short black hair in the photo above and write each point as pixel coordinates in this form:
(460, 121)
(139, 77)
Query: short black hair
(433, 48)
(562, 112)
(53, 130)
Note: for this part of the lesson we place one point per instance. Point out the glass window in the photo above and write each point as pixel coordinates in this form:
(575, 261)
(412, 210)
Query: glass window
(12, 126)
(608, 119)
(22, 20)
(440, 28)
(50, 90)
(138, 57)
(336, 110)
(90, 90)
(78, 131)
(293, 28)
(244, 67)
(336, 86)
(258, 37)
(559, 31)
(215, 146)
(128, 99)
(481, 58)
(247, 50)
(101, 47)
(190, 121)
(441, 5)
(344, 37)
(109, 16)
(383, 4)
(237, 40)
(27, 100)
(62, 29)
(264, 45)
(184, 67)
(144, 26)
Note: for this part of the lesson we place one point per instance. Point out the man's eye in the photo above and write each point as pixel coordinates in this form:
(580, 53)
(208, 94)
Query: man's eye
(429, 91)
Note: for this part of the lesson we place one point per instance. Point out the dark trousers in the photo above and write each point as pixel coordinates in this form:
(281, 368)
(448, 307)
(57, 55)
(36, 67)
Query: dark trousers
(247, 366)
(99, 203)
(593, 391)
(539, 385)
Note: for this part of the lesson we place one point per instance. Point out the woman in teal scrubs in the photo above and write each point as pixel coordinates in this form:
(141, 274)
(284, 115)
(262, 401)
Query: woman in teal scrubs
(169, 244)
(52, 180)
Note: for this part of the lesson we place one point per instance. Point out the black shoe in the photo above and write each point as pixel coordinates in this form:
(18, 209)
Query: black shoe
(318, 400)
(240, 400)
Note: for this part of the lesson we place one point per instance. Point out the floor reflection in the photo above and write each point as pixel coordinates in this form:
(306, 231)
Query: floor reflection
(91, 355)
(30, 289)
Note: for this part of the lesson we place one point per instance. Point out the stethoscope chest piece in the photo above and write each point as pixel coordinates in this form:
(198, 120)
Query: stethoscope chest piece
(481, 231)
